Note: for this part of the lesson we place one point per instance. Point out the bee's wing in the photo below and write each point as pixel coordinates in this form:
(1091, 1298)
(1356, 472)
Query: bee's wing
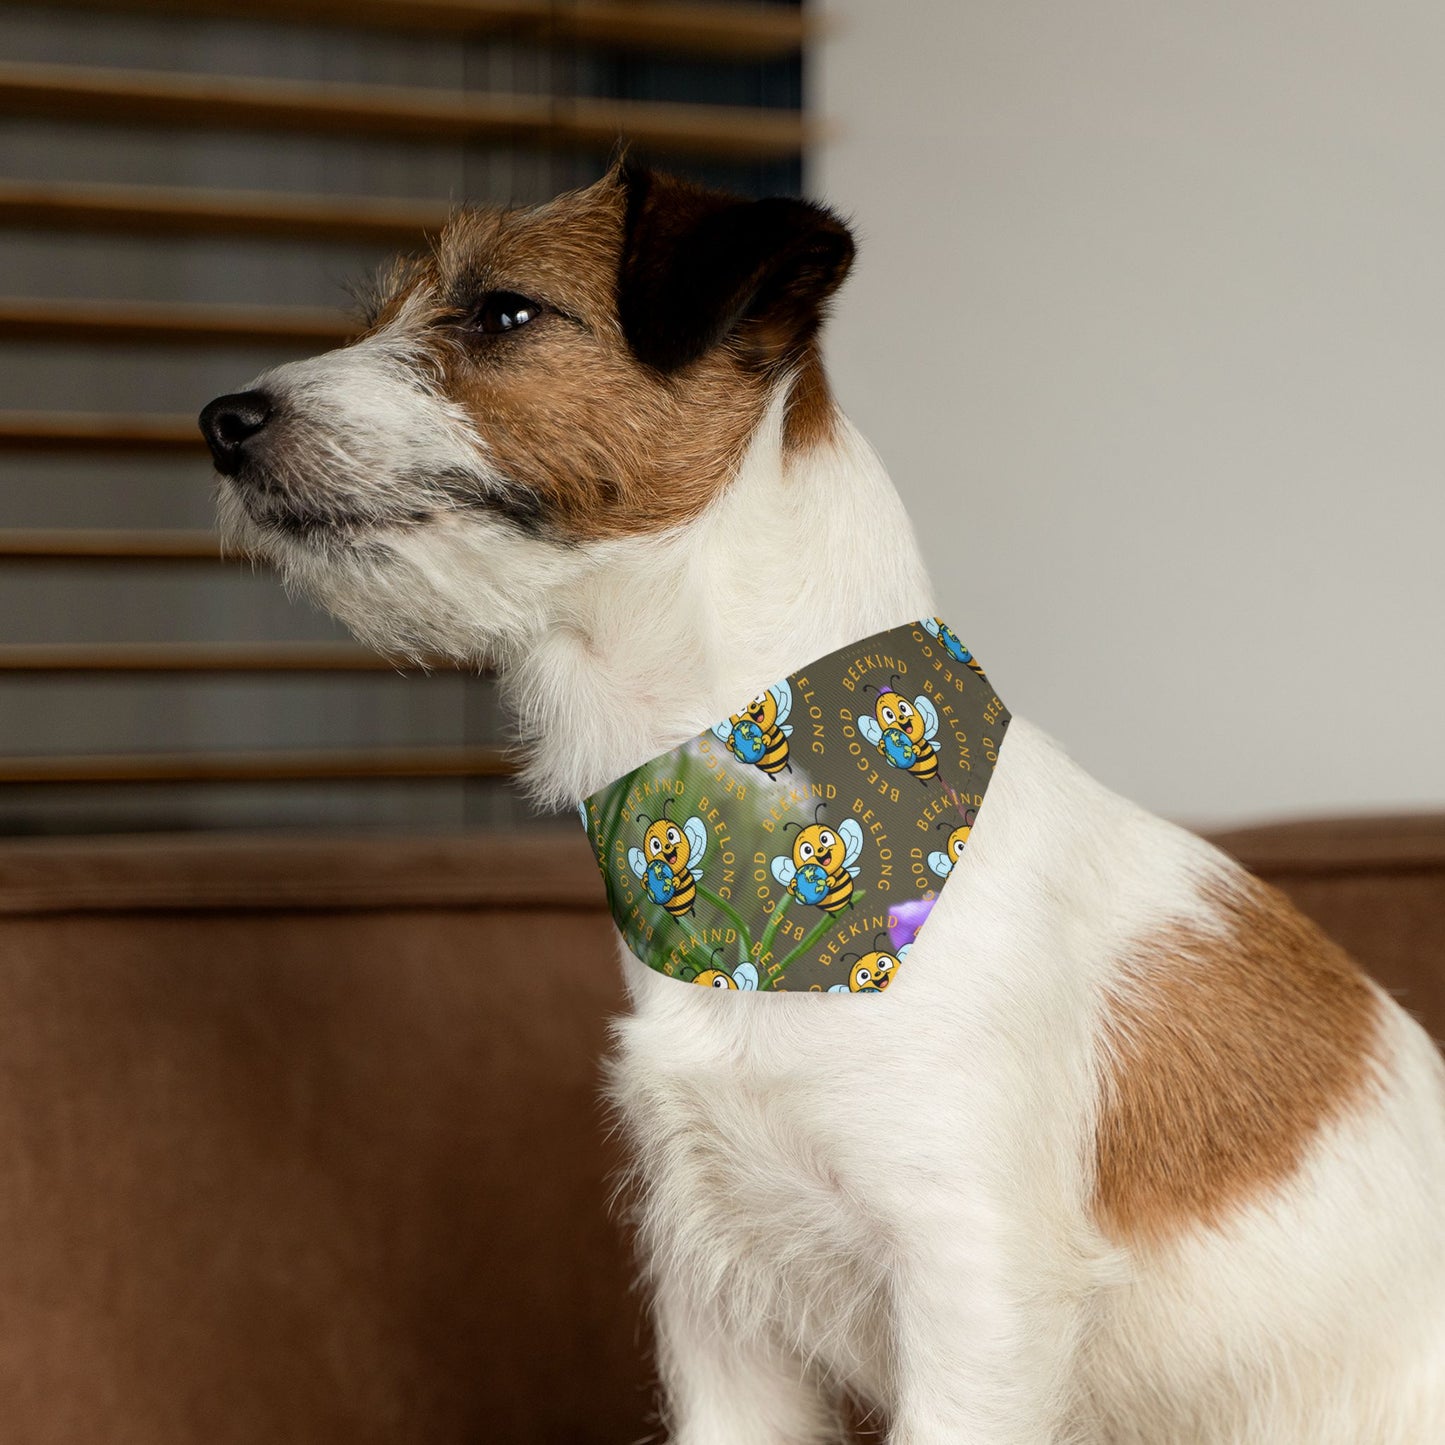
(930, 624)
(638, 862)
(839, 988)
(929, 714)
(852, 836)
(784, 869)
(868, 726)
(582, 813)
(786, 729)
(723, 732)
(941, 864)
(696, 841)
(745, 975)
(783, 696)
(903, 952)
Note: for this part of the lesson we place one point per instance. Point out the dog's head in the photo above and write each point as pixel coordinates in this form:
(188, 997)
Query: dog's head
(546, 383)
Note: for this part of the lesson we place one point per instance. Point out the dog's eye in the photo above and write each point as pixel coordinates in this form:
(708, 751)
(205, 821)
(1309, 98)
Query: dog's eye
(501, 311)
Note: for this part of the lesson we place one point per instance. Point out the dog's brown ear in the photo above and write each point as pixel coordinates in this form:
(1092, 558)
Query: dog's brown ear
(699, 266)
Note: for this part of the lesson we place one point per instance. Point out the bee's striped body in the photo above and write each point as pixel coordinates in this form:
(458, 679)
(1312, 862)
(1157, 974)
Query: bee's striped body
(775, 752)
(684, 893)
(840, 892)
(925, 766)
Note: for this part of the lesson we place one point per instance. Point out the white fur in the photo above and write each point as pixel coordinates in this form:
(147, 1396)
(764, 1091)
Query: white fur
(892, 1198)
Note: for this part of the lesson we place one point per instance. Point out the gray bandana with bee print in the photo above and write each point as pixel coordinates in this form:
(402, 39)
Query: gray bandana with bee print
(799, 845)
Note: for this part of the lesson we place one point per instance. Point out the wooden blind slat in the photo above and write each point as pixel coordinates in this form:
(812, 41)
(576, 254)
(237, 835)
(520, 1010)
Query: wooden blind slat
(173, 211)
(219, 102)
(172, 323)
(188, 657)
(79, 431)
(83, 544)
(708, 28)
(271, 766)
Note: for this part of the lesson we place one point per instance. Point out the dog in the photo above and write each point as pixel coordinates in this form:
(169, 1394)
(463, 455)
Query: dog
(1128, 1152)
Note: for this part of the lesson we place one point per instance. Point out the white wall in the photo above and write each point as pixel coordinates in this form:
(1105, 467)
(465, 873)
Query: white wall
(1149, 324)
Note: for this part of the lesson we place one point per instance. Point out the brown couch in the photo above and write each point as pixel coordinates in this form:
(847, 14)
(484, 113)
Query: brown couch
(302, 1141)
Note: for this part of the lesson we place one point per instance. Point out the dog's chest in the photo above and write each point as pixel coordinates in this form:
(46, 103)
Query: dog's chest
(757, 1179)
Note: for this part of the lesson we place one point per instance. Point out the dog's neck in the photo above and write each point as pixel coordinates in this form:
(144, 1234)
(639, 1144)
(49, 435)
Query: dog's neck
(802, 554)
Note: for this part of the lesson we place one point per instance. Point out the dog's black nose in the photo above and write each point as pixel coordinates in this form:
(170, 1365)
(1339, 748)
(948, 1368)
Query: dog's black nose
(229, 422)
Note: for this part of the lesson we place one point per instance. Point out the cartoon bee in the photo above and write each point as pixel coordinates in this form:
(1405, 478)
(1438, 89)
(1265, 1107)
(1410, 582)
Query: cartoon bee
(945, 862)
(823, 864)
(873, 972)
(744, 976)
(670, 861)
(903, 731)
(949, 638)
(759, 733)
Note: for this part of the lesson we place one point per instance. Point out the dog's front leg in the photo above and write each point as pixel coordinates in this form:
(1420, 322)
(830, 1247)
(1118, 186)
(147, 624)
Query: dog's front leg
(984, 1339)
(724, 1387)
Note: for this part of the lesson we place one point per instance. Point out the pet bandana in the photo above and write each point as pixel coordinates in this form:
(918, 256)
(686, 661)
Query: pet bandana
(800, 845)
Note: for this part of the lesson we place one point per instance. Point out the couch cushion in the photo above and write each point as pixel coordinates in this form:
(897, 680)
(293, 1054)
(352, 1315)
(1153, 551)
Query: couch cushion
(303, 1144)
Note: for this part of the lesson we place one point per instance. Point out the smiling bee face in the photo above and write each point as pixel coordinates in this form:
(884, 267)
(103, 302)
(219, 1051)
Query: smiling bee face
(821, 845)
(665, 840)
(714, 978)
(763, 710)
(872, 971)
(893, 710)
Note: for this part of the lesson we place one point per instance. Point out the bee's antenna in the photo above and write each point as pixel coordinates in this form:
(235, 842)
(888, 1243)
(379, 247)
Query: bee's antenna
(791, 824)
(844, 957)
(644, 819)
(895, 679)
(943, 823)
(665, 807)
(882, 933)
(868, 687)
(715, 953)
(816, 819)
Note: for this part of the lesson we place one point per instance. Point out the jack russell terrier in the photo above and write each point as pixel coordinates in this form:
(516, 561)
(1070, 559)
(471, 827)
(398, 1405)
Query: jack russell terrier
(1123, 1150)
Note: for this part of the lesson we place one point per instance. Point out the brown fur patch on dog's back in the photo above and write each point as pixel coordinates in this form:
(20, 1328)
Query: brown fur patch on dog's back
(1226, 1053)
